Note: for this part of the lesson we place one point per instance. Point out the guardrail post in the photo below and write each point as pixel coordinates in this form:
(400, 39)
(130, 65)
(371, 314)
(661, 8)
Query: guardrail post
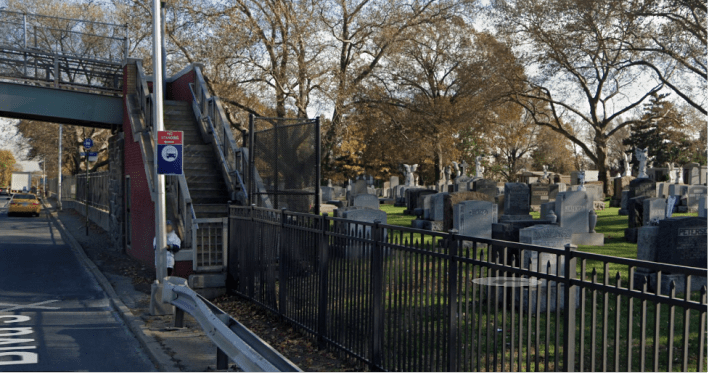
(222, 358)
(452, 300)
(323, 271)
(377, 297)
(570, 308)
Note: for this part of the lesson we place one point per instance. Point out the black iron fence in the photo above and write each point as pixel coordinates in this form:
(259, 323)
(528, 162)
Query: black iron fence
(75, 187)
(403, 299)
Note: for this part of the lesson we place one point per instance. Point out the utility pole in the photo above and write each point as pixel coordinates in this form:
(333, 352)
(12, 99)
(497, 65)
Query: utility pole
(161, 270)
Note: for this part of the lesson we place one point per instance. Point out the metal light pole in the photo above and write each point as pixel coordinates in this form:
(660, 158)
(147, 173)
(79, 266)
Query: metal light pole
(59, 172)
(161, 262)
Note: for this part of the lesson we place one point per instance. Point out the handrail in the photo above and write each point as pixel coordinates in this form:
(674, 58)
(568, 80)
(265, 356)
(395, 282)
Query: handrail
(243, 347)
(208, 109)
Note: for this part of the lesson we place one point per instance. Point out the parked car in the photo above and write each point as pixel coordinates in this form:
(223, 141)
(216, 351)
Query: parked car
(4, 191)
(24, 204)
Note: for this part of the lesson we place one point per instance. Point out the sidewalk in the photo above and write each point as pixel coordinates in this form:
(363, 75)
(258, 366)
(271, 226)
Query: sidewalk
(127, 282)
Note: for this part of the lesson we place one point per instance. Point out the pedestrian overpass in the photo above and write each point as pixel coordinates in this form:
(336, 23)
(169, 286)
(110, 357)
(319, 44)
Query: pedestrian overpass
(78, 72)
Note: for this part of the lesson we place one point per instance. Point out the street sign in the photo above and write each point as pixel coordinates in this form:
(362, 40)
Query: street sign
(93, 156)
(170, 152)
(88, 144)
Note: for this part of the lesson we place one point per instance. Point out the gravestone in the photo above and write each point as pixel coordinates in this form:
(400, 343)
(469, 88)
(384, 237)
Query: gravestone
(641, 188)
(624, 203)
(393, 181)
(692, 173)
(702, 206)
(591, 175)
(360, 187)
(366, 200)
(338, 191)
(573, 210)
(555, 189)
(327, 193)
(662, 189)
(453, 199)
(474, 218)
(653, 209)
(539, 194)
(543, 235)
(647, 250)
(485, 186)
(619, 185)
(509, 230)
(679, 190)
(694, 192)
(425, 203)
(437, 206)
(516, 201)
(354, 248)
(412, 198)
(594, 191)
(683, 241)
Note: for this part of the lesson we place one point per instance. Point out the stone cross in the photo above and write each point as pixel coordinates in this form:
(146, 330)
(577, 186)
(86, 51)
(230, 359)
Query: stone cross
(464, 168)
(626, 164)
(410, 169)
(641, 155)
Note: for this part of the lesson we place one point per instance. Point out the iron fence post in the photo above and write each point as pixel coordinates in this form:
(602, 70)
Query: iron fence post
(252, 165)
(570, 304)
(252, 244)
(452, 300)
(318, 162)
(377, 297)
(282, 266)
(323, 270)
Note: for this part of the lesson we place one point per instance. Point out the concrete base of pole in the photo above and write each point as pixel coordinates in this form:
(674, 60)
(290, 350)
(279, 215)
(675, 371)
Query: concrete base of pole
(157, 307)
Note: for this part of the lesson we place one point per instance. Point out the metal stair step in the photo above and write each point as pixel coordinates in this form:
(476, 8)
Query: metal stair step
(208, 200)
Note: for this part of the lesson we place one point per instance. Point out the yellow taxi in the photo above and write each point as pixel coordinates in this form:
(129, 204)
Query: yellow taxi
(24, 203)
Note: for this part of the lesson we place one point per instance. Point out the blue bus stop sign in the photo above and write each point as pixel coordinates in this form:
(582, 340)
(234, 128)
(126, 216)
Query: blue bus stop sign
(88, 144)
(169, 152)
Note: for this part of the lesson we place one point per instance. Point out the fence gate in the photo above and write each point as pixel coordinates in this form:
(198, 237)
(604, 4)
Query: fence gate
(210, 242)
(285, 163)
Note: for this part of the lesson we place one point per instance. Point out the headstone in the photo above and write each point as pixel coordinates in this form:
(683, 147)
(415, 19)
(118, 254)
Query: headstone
(425, 203)
(661, 190)
(691, 173)
(635, 212)
(475, 218)
(355, 248)
(360, 187)
(437, 206)
(412, 198)
(366, 200)
(703, 175)
(543, 235)
(654, 209)
(539, 194)
(702, 206)
(591, 175)
(694, 192)
(641, 188)
(677, 190)
(453, 199)
(326, 193)
(647, 250)
(683, 241)
(516, 199)
(624, 203)
(595, 191)
(393, 181)
(555, 189)
(572, 210)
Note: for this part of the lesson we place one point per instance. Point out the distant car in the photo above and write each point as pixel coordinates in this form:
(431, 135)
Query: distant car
(4, 191)
(24, 204)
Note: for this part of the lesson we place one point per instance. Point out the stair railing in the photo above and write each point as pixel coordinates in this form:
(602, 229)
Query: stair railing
(210, 114)
(175, 185)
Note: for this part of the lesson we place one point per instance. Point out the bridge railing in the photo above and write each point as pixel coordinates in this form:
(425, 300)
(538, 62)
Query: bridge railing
(62, 52)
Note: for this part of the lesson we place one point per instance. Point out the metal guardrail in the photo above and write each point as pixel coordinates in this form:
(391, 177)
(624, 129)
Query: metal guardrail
(232, 339)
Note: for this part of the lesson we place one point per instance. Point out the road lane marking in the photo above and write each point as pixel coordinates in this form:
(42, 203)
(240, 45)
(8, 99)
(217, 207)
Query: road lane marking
(14, 307)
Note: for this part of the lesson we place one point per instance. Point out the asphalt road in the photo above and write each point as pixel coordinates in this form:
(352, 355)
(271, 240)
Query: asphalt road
(53, 314)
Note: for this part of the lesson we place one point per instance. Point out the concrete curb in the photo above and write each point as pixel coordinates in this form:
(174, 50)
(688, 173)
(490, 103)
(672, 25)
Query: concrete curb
(152, 347)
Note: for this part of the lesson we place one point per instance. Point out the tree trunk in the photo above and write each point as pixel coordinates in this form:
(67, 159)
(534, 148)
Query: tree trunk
(602, 156)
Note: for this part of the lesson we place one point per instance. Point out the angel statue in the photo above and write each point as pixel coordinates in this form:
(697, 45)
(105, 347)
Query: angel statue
(478, 168)
(409, 171)
(679, 179)
(582, 180)
(546, 171)
(641, 156)
(671, 173)
(626, 164)
(456, 168)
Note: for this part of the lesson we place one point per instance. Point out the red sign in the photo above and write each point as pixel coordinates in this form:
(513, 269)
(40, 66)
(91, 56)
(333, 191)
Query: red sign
(169, 137)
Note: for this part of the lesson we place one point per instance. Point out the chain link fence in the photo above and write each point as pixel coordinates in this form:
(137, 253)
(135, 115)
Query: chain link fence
(285, 163)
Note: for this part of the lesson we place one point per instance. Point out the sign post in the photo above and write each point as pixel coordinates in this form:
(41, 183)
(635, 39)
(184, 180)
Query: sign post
(88, 144)
(169, 152)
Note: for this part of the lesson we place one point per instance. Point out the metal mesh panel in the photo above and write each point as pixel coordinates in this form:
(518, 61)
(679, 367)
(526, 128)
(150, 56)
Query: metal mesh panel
(285, 163)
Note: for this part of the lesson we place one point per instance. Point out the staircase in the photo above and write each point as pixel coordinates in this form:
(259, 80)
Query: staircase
(204, 179)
